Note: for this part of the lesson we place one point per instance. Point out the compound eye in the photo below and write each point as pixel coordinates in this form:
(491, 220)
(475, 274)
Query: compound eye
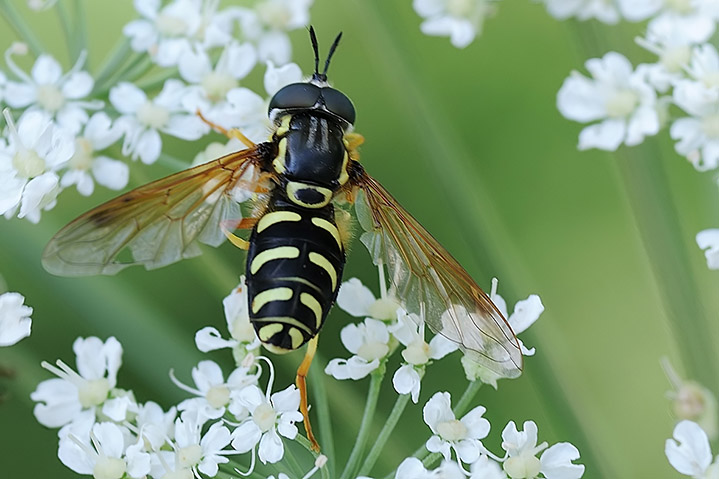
(338, 103)
(295, 95)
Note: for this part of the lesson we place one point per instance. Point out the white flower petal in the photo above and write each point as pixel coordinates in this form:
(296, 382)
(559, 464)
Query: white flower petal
(557, 462)
(271, 449)
(46, 70)
(709, 240)
(15, 322)
(607, 135)
(689, 451)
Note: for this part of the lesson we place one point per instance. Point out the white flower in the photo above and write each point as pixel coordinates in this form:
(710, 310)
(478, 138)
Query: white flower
(48, 90)
(673, 49)
(603, 10)
(463, 435)
(166, 32)
(209, 85)
(271, 416)
(246, 111)
(62, 399)
(486, 468)
(461, 20)
(689, 452)
(242, 333)
(618, 96)
(412, 468)
(142, 119)
(357, 300)
(102, 452)
(15, 318)
(99, 133)
(195, 450)
(698, 134)
(409, 331)
(694, 18)
(368, 341)
(28, 165)
(213, 392)
(266, 26)
(156, 425)
(708, 240)
(525, 314)
(522, 448)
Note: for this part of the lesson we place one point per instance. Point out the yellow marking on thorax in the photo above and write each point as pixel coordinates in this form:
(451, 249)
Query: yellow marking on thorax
(276, 217)
(281, 252)
(269, 330)
(269, 295)
(324, 263)
(297, 337)
(329, 227)
(284, 126)
(344, 176)
(294, 187)
(314, 305)
(288, 320)
(278, 164)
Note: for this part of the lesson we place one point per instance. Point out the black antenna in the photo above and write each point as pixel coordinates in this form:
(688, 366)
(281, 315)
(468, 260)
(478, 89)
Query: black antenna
(316, 48)
(313, 37)
(332, 51)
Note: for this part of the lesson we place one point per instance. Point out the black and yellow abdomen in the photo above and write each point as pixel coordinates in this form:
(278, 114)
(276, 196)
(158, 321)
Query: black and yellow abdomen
(294, 269)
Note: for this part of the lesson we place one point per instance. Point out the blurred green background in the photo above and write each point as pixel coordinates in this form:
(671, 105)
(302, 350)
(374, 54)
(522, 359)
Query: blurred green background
(469, 141)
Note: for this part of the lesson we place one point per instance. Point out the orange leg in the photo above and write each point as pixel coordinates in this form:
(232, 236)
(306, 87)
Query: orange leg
(233, 133)
(302, 386)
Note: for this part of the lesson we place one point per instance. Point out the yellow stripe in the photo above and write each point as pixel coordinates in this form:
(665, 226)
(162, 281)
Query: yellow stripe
(281, 252)
(344, 176)
(293, 187)
(324, 263)
(327, 226)
(297, 338)
(269, 295)
(269, 330)
(311, 302)
(276, 217)
(279, 162)
(284, 126)
(285, 320)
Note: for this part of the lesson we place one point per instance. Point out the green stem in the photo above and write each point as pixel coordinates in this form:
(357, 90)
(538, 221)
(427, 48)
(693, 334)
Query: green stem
(467, 397)
(322, 408)
(385, 433)
(350, 469)
(68, 29)
(80, 28)
(649, 193)
(290, 460)
(17, 22)
(120, 54)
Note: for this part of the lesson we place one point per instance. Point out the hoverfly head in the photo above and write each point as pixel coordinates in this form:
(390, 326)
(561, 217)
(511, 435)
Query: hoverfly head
(315, 94)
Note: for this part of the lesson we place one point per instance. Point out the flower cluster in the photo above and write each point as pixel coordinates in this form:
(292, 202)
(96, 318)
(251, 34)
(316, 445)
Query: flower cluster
(387, 327)
(678, 90)
(106, 432)
(75, 128)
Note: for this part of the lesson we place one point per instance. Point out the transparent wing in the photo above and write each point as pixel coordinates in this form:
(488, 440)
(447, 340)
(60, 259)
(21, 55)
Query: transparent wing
(158, 223)
(430, 282)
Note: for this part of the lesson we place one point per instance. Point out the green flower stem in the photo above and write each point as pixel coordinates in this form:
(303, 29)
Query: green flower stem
(17, 22)
(385, 433)
(290, 461)
(350, 470)
(467, 397)
(70, 30)
(322, 409)
(120, 54)
(227, 471)
(81, 27)
(137, 68)
(125, 73)
(304, 442)
(647, 188)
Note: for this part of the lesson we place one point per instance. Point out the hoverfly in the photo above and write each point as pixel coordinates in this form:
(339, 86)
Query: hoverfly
(295, 252)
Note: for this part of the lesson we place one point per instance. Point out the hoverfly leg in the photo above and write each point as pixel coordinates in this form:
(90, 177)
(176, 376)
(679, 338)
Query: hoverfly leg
(302, 386)
(233, 133)
(245, 223)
